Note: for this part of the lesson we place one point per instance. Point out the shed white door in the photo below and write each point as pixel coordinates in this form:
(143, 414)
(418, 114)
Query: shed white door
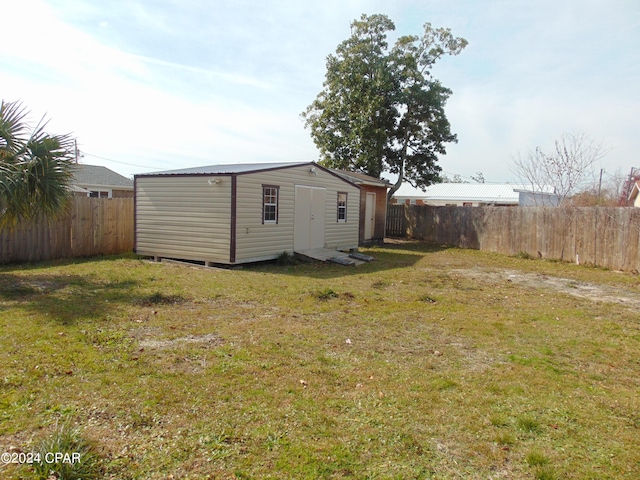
(308, 228)
(369, 215)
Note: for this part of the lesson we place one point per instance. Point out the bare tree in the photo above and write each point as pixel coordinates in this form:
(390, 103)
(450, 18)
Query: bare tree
(606, 192)
(478, 177)
(566, 170)
(613, 186)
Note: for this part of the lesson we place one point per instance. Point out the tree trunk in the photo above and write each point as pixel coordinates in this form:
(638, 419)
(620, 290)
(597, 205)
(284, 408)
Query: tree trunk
(403, 156)
(396, 185)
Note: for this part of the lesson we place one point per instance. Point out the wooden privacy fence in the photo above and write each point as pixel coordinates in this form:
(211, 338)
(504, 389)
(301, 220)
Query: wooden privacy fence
(94, 226)
(604, 236)
(396, 221)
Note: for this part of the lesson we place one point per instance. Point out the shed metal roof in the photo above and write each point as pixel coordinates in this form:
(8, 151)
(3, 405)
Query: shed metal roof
(228, 168)
(361, 178)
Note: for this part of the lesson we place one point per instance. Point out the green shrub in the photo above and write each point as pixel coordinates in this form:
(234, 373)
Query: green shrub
(428, 299)
(536, 459)
(286, 258)
(66, 455)
(528, 424)
(160, 298)
(326, 294)
(545, 473)
(505, 439)
(498, 420)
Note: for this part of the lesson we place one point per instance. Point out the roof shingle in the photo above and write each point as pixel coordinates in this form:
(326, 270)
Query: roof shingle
(98, 175)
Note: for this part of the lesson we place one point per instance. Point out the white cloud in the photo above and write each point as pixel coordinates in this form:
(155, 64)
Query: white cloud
(173, 83)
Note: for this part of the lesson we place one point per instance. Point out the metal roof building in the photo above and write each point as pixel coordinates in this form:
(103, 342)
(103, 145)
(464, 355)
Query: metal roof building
(475, 194)
(228, 169)
(241, 213)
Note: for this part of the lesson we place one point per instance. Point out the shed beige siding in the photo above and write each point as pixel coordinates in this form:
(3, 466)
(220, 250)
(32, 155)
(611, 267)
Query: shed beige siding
(187, 217)
(257, 241)
(183, 217)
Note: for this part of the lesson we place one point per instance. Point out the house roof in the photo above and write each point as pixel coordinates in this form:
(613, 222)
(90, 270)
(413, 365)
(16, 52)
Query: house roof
(77, 189)
(229, 168)
(361, 178)
(470, 192)
(461, 192)
(95, 175)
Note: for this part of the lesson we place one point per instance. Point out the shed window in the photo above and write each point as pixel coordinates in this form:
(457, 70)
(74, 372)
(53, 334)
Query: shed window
(270, 203)
(342, 207)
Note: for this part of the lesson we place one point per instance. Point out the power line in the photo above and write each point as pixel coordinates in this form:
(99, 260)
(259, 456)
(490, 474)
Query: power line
(115, 161)
(450, 174)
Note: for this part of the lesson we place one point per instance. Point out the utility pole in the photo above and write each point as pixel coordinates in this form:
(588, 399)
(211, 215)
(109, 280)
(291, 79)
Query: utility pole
(600, 185)
(628, 186)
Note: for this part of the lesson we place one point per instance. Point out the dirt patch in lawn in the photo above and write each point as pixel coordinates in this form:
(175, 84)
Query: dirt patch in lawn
(209, 339)
(590, 291)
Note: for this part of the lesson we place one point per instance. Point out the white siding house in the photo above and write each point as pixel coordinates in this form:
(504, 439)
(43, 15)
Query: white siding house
(231, 214)
(100, 182)
(634, 198)
(476, 195)
(528, 197)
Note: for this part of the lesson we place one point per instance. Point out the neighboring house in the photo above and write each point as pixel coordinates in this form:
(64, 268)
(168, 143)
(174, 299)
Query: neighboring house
(100, 182)
(634, 196)
(232, 214)
(528, 197)
(373, 206)
(474, 195)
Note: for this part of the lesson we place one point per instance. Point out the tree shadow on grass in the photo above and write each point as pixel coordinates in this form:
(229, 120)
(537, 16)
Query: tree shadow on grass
(69, 298)
(26, 266)
(392, 255)
(65, 298)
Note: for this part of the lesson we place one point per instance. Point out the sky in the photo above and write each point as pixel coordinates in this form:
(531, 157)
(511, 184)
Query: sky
(147, 85)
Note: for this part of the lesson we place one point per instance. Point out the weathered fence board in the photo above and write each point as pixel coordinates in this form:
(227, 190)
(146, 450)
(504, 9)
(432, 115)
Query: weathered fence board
(395, 221)
(604, 236)
(94, 226)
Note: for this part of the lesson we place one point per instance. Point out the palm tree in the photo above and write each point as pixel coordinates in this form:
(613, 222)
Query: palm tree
(35, 168)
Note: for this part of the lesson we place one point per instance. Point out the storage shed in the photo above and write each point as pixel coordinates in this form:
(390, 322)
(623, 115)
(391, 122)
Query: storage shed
(232, 214)
(373, 206)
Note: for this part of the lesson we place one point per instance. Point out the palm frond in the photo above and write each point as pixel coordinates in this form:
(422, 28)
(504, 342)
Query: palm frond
(49, 172)
(13, 129)
(35, 169)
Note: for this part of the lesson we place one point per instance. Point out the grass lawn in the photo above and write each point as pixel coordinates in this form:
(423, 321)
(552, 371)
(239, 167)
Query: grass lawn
(426, 363)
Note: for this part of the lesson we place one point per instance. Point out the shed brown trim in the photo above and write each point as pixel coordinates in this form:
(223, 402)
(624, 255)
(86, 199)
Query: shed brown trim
(135, 215)
(234, 199)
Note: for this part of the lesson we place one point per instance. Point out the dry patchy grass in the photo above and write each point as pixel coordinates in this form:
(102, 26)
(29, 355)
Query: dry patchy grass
(426, 363)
